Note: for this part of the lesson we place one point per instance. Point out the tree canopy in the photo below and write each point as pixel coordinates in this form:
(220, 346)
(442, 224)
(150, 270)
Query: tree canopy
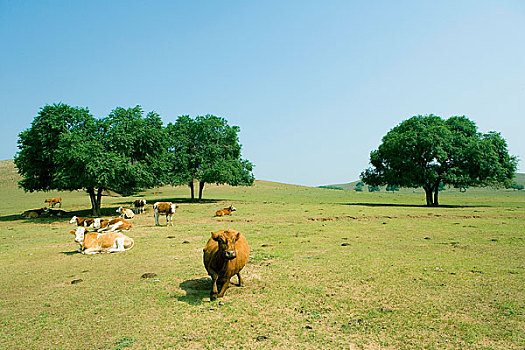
(206, 149)
(424, 151)
(66, 148)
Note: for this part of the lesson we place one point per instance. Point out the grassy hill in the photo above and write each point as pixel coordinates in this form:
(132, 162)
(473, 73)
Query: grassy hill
(520, 180)
(327, 270)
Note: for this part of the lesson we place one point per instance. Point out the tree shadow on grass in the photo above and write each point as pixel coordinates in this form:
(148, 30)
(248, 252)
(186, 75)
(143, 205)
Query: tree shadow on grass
(445, 206)
(196, 290)
(46, 218)
(129, 201)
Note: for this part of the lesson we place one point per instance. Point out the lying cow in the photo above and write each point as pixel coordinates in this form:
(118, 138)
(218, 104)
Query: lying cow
(85, 222)
(125, 213)
(109, 242)
(56, 212)
(54, 201)
(225, 211)
(34, 213)
(112, 225)
(225, 254)
(140, 206)
(165, 208)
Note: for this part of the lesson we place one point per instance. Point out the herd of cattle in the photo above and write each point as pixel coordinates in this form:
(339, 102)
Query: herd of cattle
(225, 253)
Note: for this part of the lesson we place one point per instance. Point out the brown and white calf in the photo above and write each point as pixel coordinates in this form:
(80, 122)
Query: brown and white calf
(34, 213)
(225, 211)
(112, 225)
(165, 208)
(86, 222)
(125, 213)
(108, 242)
(54, 201)
(140, 206)
(225, 254)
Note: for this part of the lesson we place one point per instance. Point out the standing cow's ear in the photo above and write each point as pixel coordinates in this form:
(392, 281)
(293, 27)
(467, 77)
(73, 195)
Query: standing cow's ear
(237, 236)
(215, 236)
(72, 232)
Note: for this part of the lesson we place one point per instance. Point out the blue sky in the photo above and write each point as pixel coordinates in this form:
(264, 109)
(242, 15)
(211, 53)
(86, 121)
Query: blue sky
(313, 85)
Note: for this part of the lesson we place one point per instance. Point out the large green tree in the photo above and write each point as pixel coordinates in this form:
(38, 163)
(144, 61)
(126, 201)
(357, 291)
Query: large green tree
(66, 148)
(424, 151)
(206, 149)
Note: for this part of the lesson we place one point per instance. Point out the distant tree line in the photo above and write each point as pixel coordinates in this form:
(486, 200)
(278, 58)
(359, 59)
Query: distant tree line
(66, 148)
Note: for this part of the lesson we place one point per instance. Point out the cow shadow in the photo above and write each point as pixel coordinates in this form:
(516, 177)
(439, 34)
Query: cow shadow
(73, 252)
(196, 290)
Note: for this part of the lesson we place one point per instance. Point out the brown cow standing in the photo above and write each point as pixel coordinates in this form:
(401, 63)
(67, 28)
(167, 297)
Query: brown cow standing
(225, 211)
(54, 201)
(225, 254)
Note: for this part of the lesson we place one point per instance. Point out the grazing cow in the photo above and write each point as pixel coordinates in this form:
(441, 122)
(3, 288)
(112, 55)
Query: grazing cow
(54, 201)
(108, 242)
(56, 212)
(125, 213)
(86, 222)
(166, 208)
(225, 211)
(225, 254)
(140, 206)
(112, 225)
(34, 213)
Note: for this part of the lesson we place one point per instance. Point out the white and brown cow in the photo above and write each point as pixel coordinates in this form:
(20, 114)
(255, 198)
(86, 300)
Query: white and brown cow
(125, 213)
(165, 208)
(107, 242)
(225, 211)
(140, 206)
(54, 201)
(85, 222)
(112, 225)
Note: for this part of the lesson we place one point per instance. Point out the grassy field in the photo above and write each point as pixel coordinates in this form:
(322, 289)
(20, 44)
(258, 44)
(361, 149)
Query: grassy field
(328, 270)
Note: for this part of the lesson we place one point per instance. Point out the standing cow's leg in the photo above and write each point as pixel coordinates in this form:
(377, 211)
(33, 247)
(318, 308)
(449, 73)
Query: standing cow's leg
(225, 283)
(156, 215)
(241, 282)
(214, 290)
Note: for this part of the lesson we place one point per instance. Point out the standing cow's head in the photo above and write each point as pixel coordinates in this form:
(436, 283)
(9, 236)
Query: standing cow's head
(73, 220)
(226, 240)
(79, 234)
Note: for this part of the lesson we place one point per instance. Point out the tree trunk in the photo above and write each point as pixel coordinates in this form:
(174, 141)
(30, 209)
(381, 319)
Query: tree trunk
(428, 192)
(201, 187)
(192, 189)
(436, 192)
(95, 201)
(99, 201)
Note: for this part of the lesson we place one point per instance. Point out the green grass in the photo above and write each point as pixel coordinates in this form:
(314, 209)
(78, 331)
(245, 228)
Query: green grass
(328, 269)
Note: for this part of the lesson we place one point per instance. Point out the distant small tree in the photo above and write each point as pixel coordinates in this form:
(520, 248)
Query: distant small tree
(359, 187)
(392, 188)
(67, 149)
(424, 151)
(516, 186)
(206, 149)
(373, 188)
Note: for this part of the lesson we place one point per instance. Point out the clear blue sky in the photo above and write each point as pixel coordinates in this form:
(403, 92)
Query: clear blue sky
(313, 85)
